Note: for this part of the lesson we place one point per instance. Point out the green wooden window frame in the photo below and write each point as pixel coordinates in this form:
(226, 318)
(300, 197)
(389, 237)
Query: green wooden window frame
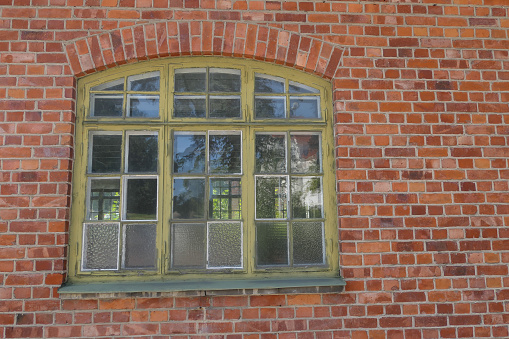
(136, 205)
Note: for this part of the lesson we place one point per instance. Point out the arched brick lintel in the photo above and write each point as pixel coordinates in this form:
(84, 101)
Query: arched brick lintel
(178, 38)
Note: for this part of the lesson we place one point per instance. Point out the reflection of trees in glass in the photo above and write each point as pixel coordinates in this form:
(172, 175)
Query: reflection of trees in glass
(224, 81)
(270, 153)
(264, 85)
(271, 198)
(141, 199)
(190, 82)
(189, 154)
(145, 85)
(188, 198)
(143, 153)
(225, 199)
(270, 107)
(106, 153)
(224, 107)
(305, 152)
(306, 198)
(224, 153)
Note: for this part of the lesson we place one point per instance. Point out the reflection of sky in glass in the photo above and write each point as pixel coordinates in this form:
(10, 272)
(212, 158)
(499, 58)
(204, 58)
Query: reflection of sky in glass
(189, 153)
(188, 198)
(304, 108)
(145, 107)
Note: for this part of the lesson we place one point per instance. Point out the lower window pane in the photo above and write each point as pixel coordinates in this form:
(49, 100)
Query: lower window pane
(189, 107)
(271, 197)
(224, 107)
(140, 246)
(224, 245)
(225, 199)
(271, 243)
(304, 107)
(107, 106)
(188, 245)
(104, 203)
(308, 243)
(100, 246)
(270, 107)
(144, 107)
(141, 199)
(306, 197)
(188, 198)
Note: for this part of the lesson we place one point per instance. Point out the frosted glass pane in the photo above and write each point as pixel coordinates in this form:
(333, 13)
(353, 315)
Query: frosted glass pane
(306, 197)
(140, 246)
(304, 107)
(224, 80)
(270, 107)
(104, 199)
(188, 245)
(188, 198)
(106, 105)
(225, 153)
(271, 197)
(143, 151)
(269, 84)
(115, 85)
(189, 107)
(189, 153)
(225, 199)
(305, 150)
(141, 199)
(144, 83)
(308, 243)
(188, 80)
(271, 243)
(225, 245)
(296, 87)
(100, 246)
(224, 107)
(270, 153)
(147, 107)
(106, 153)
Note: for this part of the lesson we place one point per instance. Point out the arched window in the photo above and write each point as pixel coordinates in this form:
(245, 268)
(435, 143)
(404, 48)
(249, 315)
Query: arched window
(187, 167)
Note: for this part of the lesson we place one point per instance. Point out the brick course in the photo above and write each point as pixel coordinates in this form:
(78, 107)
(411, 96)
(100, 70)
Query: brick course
(421, 103)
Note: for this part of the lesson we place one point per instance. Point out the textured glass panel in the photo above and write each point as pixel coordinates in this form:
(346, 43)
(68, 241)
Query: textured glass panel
(189, 153)
(144, 83)
(308, 243)
(106, 153)
(296, 87)
(304, 107)
(224, 80)
(187, 80)
(115, 85)
(100, 246)
(188, 245)
(140, 246)
(141, 199)
(225, 199)
(189, 107)
(225, 245)
(267, 84)
(305, 149)
(271, 243)
(225, 153)
(271, 197)
(270, 153)
(306, 197)
(224, 107)
(104, 199)
(143, 151)
(188, 198)
(270, 107)
(147, 107)
(107, 106)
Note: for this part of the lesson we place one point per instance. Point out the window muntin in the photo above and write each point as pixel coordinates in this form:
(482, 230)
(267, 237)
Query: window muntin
(199, 183)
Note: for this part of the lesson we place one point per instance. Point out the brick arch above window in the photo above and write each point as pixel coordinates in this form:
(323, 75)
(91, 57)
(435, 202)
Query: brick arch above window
(177, 38)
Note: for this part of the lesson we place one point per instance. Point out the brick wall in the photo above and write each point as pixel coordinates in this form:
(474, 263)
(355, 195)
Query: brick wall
(421, 100)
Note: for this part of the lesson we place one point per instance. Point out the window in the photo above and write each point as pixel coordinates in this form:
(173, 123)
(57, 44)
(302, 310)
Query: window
(187, 167)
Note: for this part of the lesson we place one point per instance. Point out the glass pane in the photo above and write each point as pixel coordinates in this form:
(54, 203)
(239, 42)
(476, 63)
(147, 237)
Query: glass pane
(296, 87)
(225, 153)
(190, 80)
(268, 84)
(271, 243)
(104, 203)
(189, 107)
(224, 80)
(304, 107)
(141, 199)
(308, 243)
(270, 107)
(224, 107)
(188, 245)
(106, 106)
(140, 246)
(144, 83)
(188, 198)
(189, 153)
(225, 245)
(147, 107)
(100, 246)
(106, 153)
(306, 197)
(115, 85)
(270, 153)
(225, 199)
(305, 149)
(143, 151)
(271, 198)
